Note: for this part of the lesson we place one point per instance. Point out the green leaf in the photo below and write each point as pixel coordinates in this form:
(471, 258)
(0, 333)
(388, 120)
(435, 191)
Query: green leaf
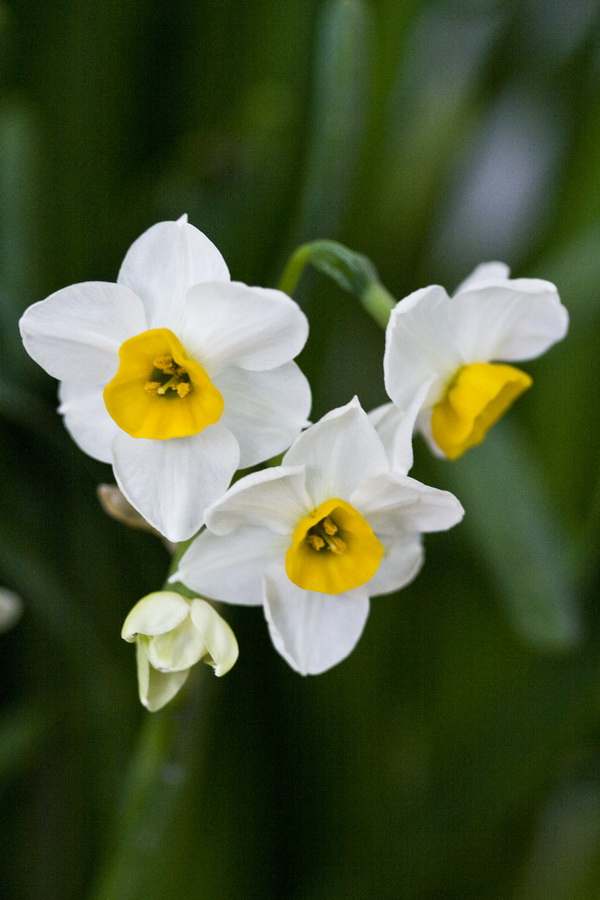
(342, 67)
(510, 521)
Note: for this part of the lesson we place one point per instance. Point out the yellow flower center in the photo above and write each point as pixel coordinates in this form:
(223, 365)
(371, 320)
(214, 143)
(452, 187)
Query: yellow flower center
(158, 392)
(333, 550)
(475, 399)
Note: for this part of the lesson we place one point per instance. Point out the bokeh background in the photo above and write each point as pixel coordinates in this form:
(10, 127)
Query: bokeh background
(456, 753)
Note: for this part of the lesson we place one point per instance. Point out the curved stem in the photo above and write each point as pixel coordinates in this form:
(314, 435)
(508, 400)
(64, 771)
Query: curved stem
(294, 269)
(378, 302)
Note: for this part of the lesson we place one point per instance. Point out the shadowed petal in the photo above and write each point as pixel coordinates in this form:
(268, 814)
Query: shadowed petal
(156, 688)
(273, 498)
(231, 568)
(313, 631)
(87, 420)
(395, 428)
(420, 342)
(219, 640)
(266, 411)
(172, 482)
(401, 563)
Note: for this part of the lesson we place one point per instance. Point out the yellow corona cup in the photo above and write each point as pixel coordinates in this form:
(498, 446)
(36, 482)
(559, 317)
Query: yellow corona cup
(476, 398)
(333, 550)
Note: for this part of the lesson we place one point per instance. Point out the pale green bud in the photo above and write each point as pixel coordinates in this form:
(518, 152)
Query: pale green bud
(173, 634)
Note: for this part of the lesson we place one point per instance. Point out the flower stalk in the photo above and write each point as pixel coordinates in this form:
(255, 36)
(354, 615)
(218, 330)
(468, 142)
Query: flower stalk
(154, 791)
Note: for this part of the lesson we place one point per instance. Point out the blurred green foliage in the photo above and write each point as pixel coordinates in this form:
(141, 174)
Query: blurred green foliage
(456, 753)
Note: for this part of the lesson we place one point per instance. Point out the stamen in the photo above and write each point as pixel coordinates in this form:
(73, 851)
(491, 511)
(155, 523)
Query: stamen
(322, 536)
(160, 393)
(178, 382)
(336, 545)
(333, 549)
(170, 384)
(329, 526)
(166, 364)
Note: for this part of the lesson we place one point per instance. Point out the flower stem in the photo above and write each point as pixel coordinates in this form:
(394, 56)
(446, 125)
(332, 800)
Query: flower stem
(294, 269)
(352, 271)
(378, 302)
(156, 787)
(156, 784)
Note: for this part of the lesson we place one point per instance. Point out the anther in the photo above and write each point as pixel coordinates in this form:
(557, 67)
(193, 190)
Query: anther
(329, 526)
(336, 545)
(322, 536)
(166, 364)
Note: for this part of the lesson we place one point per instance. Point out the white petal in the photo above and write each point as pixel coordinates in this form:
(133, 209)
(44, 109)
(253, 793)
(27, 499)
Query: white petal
(218, 637)
(156, 613)
(75, 334)
(87, 420)
(395, 428)
(172, 482)
(163, 264)
(338, 452)
(231, 324)
(274, 498)
(313, 631)
(401, 563)
(420, 344)
(266, 411)
(156, 688)
(509, 321)
(424, 427)
(394, 503)
(177, 649)
(231, 568)
(490, 271)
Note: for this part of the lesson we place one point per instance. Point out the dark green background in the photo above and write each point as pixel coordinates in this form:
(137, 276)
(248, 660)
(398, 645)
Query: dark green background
(456, 753)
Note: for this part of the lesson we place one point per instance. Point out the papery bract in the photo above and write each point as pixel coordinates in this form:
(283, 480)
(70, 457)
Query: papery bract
(314, 538)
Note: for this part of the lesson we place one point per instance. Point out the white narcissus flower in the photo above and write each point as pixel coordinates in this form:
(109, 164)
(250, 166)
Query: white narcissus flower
(314, 538)
(175, 374)
(448, 356)
(171, 635)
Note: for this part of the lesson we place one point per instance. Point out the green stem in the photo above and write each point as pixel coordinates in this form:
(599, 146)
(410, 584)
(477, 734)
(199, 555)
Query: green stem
(294, 269)
(378, 302)
(156, 786)
(157, 781)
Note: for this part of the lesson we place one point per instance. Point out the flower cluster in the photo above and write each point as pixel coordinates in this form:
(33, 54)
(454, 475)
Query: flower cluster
(178, 377)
